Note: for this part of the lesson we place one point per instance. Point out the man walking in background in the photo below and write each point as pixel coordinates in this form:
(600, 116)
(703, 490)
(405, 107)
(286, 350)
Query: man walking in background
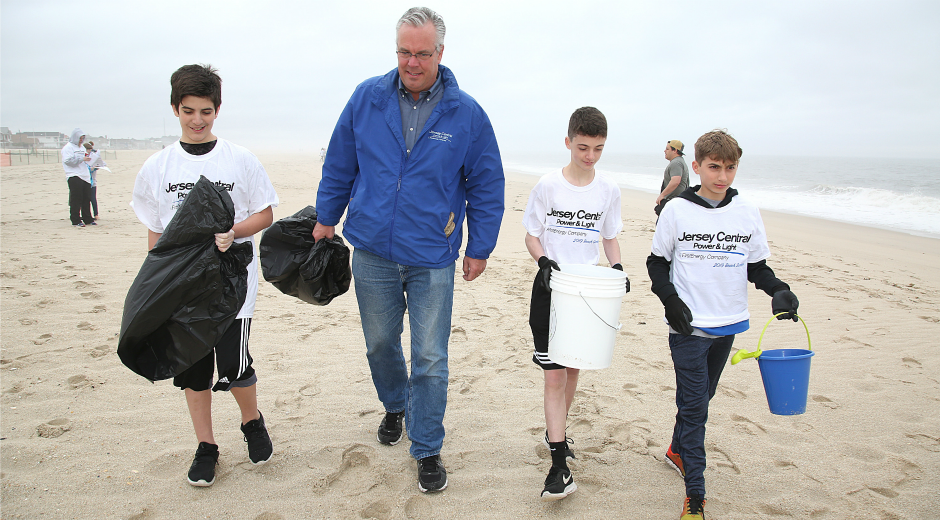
(411, 156)
(676, 176)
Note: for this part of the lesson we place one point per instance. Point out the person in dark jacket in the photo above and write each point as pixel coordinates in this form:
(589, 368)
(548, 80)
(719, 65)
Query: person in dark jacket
(411, 158)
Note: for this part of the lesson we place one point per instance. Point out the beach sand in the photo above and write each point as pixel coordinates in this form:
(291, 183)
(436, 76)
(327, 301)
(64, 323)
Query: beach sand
(81, 436)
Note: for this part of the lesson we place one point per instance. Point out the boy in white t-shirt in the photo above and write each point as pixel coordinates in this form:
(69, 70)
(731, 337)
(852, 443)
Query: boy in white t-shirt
(709, 243)
(569, 214)
(163, 182)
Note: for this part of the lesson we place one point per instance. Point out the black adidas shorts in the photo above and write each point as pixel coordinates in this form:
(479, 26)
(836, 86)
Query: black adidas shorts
(540, 310)
(232, 358)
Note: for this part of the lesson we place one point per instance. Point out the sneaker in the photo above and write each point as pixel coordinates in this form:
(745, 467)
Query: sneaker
(558, 484)
(568, 453)
(202, 471)
(694, 508)
(92, 223)
(432, 476)
(674, 460)
(260, 448)
(390, 431)
(80, 224)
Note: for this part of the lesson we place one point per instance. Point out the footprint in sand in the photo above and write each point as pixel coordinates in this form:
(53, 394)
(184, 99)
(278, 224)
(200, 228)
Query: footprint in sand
(42, 339)
(380, 510)
(354, 475)
(99, 351)
(722, 461)
(267, 515)
(45, 301)
(54, 428)
(732, 392)
(170, 465)
(78, 381)
(27, 322)
(825, 401)
(46, 257)
(100, 308)
(22, 294)
(418, 507)
(86, 326)
(91, 295)
(748, 425)
(910, 362)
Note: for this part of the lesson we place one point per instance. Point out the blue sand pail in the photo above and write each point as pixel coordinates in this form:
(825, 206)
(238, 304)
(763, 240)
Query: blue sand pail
(786, 379)
(785, 373)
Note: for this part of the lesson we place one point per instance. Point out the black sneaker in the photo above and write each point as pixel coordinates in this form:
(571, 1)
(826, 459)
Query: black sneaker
(568, 453)
(260, 448)
(202, 471)
(390, 431)
(558, 484)
(432, 476)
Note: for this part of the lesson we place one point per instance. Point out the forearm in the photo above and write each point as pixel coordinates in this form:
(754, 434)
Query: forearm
(152, 239)
(534, 246)
(673, 184)
(658, 268)
(611, 250)
(763, 278)
(254, 223)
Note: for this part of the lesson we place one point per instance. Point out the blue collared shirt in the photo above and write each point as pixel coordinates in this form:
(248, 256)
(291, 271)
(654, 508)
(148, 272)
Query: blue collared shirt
(415, 113)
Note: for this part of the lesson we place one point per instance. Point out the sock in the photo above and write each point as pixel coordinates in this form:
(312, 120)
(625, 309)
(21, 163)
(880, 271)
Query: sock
(558, 454)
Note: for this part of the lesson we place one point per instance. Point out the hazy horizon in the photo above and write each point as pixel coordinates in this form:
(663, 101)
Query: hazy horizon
(797, 79)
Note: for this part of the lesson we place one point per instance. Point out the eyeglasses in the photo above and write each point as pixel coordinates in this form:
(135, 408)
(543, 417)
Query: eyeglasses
(405, 55)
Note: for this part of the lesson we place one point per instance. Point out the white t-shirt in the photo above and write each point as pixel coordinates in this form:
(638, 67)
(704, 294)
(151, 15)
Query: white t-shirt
(709, 249)
(570, 220)
(167, 177)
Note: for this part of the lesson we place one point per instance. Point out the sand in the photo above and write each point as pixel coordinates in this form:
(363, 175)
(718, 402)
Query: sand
(81, 436)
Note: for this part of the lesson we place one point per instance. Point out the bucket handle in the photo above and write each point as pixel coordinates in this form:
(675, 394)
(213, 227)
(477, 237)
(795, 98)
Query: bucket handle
(743, 354)
(619, 325)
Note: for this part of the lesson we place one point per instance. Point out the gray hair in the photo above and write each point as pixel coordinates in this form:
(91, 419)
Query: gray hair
(419, 17)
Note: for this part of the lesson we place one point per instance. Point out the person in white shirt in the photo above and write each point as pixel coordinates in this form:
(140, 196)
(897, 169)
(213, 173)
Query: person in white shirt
(570, 215)
(162, 184)
(709, 243)
(74, 161)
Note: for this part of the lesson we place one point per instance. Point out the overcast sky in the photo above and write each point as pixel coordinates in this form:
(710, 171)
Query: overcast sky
(823, 78)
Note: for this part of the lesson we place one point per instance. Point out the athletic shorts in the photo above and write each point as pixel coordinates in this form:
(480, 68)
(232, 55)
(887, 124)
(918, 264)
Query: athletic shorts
(540, 310)
(231, 357)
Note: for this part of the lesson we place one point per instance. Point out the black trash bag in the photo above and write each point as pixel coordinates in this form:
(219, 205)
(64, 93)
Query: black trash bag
(187, 292)
(314, 272)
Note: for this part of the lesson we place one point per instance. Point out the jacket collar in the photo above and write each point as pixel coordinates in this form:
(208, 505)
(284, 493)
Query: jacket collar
(690, 195)
(386, 89)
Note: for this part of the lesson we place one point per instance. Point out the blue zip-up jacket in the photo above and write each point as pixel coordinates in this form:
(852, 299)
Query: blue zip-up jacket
(410, 210)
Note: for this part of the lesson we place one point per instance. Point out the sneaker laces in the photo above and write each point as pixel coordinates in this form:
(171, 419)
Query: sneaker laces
(429, 465)
(695, 505)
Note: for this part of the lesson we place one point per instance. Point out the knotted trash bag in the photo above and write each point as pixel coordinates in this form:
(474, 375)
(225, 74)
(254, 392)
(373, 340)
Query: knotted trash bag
(187, 292)
(314, 272)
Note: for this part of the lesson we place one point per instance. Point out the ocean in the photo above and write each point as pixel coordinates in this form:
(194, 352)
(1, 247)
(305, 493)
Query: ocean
(896, 194)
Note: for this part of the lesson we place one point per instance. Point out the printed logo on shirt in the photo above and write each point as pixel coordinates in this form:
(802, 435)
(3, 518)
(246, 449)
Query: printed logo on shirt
(183, 188)
(720, 241)
(580, 218)
(440, 136)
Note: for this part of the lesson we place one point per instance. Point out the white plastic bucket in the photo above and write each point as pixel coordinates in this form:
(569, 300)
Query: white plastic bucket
(585, 315)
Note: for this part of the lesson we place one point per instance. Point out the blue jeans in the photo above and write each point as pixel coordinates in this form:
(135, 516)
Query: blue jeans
(698, 363)
(384, 290)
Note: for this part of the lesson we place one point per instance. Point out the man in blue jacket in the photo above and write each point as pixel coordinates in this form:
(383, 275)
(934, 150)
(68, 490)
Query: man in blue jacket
(411, 156)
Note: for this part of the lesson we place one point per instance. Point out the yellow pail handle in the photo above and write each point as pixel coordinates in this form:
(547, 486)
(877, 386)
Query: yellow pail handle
(743, 354)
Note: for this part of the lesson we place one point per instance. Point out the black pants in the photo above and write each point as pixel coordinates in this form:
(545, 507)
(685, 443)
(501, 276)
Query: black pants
(79, 201)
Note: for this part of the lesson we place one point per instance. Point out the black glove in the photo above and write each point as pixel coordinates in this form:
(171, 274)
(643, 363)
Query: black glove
(785, 301)
(546, 265)
(678, 315)
(619, 267)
